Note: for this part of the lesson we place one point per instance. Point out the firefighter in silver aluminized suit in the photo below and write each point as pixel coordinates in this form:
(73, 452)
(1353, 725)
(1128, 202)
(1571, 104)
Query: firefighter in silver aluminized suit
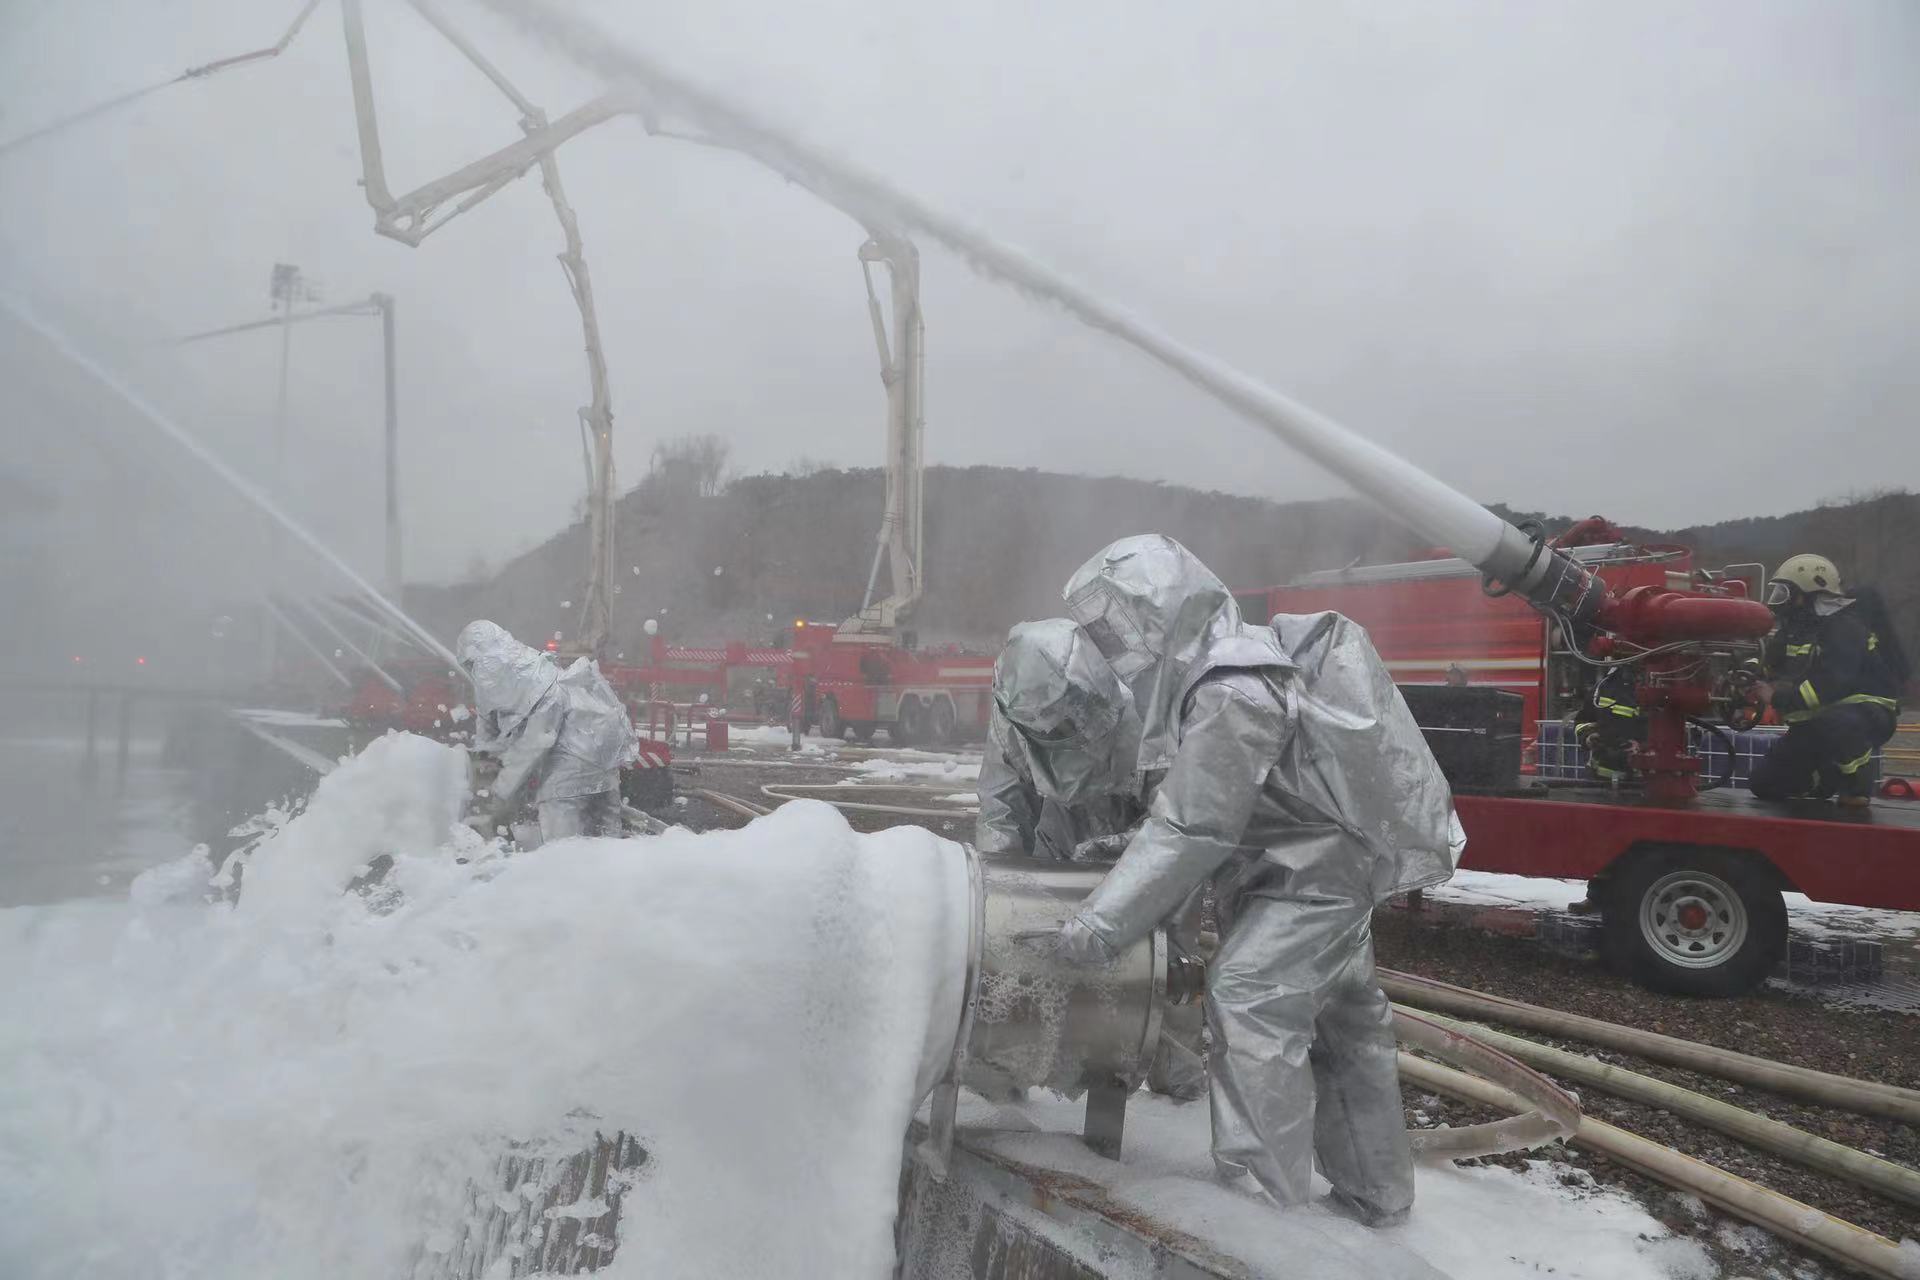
(1057, 780)
(1058, 767)
(570, 725)
(1284, 767)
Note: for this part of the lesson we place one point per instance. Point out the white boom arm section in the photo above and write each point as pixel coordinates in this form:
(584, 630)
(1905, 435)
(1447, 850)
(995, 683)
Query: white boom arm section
(902, 373)
(410, 219)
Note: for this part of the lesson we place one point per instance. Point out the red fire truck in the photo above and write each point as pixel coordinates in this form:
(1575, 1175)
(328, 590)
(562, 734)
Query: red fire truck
(1689, 886)
(867, 672)
(851, 683)
(715, 672)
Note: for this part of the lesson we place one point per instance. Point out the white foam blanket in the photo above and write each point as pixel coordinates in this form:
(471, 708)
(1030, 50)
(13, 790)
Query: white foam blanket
(304, 1084)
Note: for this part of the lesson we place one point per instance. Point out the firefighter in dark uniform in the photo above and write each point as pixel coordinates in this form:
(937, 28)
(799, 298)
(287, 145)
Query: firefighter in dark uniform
(1834, 670)
(1613, 723)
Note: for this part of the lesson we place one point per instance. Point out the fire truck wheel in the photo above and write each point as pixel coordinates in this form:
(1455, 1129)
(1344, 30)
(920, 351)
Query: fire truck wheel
(860, 732)
(942, 721)
(649, 790)
(910, 726)
(831, 725)
(1695, 922)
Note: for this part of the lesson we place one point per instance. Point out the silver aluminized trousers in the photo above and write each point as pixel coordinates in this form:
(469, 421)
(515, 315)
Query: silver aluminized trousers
(1304, 1058)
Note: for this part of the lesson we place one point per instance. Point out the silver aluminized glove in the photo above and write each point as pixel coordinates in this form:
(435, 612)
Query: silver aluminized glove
(1081, 945)
(1102, 848)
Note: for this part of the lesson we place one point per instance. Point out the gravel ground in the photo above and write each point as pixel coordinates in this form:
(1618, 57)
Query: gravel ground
(1875, 1045)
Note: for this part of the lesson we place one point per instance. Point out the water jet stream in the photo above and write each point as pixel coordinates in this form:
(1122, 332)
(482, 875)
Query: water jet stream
(1423, 503)
(68, 349)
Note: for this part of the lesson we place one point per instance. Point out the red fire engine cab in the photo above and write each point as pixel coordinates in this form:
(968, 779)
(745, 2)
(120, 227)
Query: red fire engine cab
(851, 683)
(1688, 878)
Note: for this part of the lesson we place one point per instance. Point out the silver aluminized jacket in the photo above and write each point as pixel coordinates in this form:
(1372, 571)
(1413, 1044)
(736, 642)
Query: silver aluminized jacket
(1300, 787)
(570, 725)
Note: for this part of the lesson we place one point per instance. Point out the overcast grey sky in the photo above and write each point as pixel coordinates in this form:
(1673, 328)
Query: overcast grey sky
(1651, 259)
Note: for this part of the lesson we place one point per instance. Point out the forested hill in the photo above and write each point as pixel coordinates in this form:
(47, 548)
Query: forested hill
(1001, 541)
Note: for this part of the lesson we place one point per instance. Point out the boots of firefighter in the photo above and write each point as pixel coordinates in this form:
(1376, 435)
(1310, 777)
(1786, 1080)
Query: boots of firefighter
(1858, 775)
(1348, 1207)
(1855, 787)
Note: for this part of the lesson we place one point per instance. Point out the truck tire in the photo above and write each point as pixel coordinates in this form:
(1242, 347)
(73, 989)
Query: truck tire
(909, 727)
(831, 725)
(860, 732)
(943, 724)
(1691, 921)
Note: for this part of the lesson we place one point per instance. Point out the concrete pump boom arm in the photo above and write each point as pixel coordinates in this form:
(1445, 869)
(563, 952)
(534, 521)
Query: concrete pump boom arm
(410, 220)
(902, 374)
(201, 72)
(412, 217)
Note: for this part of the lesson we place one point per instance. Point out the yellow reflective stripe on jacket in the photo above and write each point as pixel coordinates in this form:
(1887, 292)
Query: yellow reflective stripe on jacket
(1853, 766)
(1808, 696)
(1798, 650)
(1872, 700)
(1873, 641)
(1629, 712)
(1855, 699)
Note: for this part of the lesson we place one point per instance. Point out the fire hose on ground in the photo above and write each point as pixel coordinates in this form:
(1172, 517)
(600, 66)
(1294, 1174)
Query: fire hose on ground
(1547, 1113)
(783, 792)
(732, 804)
(1782, 1215)
(1790, 1219)
(1868, 1097)
(811, 791)
(1894, 1181)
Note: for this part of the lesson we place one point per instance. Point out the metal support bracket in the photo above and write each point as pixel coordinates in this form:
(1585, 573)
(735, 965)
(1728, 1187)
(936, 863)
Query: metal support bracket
(1106, 1121)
